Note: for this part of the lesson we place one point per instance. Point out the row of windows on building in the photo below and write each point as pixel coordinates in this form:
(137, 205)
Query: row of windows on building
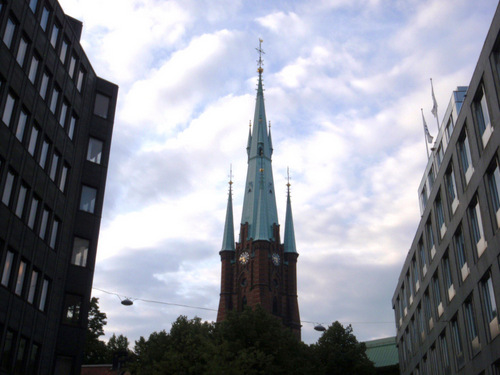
(423, 322)
(484, 128)
(19, 197)
(19, 354)
(426, 250)
(60, 43)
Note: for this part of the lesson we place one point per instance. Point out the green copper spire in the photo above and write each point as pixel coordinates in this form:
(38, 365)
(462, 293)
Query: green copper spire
(259, 203)
(228, 239)
(289, 241)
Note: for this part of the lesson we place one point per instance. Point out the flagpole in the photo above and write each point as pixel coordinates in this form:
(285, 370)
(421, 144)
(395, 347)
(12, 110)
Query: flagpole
(425, 135)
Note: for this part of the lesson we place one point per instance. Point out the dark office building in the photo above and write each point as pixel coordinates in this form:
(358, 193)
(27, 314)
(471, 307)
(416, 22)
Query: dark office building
(447, 297)
(56, 120)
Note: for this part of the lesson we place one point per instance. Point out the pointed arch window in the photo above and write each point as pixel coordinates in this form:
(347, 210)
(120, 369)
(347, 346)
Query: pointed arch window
(244, 302)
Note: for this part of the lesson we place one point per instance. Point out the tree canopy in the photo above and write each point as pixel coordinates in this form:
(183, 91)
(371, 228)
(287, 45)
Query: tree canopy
(251, 342)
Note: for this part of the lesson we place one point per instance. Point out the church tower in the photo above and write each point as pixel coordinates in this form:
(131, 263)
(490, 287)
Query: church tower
(259, 269)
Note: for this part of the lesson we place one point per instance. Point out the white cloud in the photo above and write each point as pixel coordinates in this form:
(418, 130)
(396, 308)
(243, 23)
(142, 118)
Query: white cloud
(345, 81)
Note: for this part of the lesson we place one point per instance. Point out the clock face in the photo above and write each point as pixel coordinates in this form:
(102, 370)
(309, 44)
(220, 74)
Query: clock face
(276, 259)
(244, 257)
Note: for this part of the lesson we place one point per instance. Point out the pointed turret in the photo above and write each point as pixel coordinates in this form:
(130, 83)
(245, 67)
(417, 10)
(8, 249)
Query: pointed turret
(228, 240)
(289, 240)
(249, 143)
(259, 204)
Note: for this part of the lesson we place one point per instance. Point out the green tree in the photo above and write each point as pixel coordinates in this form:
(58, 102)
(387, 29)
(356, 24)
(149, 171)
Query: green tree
(339, 352)
(256, 342)
(118, 351)
(185, 350)
(95, 350)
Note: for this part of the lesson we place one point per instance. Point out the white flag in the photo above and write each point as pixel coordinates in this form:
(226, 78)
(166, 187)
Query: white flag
(428, 135)
(434, 109)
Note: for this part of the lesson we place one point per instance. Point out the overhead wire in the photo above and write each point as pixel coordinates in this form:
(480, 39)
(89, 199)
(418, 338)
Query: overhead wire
(209, 309)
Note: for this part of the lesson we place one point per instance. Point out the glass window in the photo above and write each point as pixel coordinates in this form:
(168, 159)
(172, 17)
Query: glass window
(470, 320)
(457, 343)
(476, 224)
(21, 51)
(427, 310)
(8, 35)
(489, 302)
(20, 278)
(33, 141)
(8, 350)
(43, 295)
(32, 289)
(64, 51)
(94, 151)
(439, 213)
(465, 158)
(33, 4)
(53, 166)
(43, 223)
(87, 201)
(444, 352)
(21, 125)
(101, 105)
(79, 82)
(430, 238)
(33, 212)
(44, 85)
(21, 198)
(449, 129)
(64, 176)
(80, 252)
(71, 128)
(54, 99)
(43, 153)
(414, 268)
(451, 187)
(494, 185)
(423, 258)
(33, 359)
(72, 309)
(45, 18)
(62, 115)
(7, 189)
(437, 295)
(447, 271)
(53, 234)
(7, 268)
(8, 109)
(481, 111)
(35, 61)
(440, 154)
(20, 356)
(72, 65)
(54, 35)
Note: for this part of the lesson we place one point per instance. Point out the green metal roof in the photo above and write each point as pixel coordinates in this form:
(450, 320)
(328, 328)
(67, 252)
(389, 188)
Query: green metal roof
(382, 352)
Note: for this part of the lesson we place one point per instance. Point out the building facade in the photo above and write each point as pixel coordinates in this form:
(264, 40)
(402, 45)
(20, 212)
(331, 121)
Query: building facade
(447, 297)
(56, 120)
(259, 269)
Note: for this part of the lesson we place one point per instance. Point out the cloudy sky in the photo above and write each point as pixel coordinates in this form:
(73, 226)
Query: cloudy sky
(345, 81)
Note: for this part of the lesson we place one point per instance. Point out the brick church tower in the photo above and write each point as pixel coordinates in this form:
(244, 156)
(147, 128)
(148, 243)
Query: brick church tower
(259, 269)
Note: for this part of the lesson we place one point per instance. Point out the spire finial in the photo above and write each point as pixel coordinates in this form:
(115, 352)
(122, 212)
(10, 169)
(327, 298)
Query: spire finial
(230, 175)
(269, 125)
(288, 179)
(260, 62)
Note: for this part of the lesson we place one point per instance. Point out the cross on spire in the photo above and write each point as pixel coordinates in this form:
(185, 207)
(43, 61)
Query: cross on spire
(260, 62)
